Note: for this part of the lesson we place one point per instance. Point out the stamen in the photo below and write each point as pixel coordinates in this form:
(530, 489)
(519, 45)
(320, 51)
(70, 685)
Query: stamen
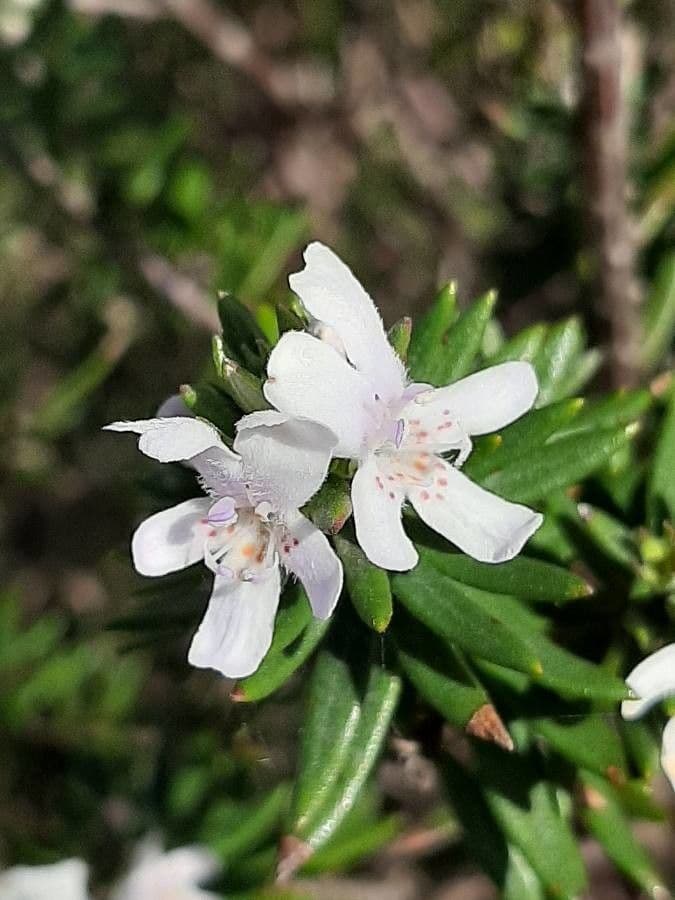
(399, 429)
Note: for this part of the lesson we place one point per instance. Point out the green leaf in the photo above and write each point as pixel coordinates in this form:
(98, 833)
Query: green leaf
(399, 336)
(234, 829)
(521, 438)
(523, 346)
(659, 315)
(296, 635)
(368, 585)
(521, 881)
(604, 819)
(242, 386)
(528, 812)
(556, 465)
(498, 628)
(590, 742)
(331, 506)
(242, 337)
(612, 411)
(528, 579)
(345, 729)
(331, 718)
(426, 354)
(662, 482)
(287, 318)
(463, 340)
(340, 856)
(450, 610)
(558, 358)
(208, 402)
(438, 673)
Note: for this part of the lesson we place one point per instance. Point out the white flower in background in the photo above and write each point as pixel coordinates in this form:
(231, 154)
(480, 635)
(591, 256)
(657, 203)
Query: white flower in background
(175, 875)
(397, 431)
(652, 681)
(65, 880)
(244, 529)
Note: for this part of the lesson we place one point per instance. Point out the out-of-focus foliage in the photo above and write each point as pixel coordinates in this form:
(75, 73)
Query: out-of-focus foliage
(145, 165)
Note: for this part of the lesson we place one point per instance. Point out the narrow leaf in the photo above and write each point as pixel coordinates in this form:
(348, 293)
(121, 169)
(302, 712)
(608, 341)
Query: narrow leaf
(425, 357)
(556, 465)
(368, 585)
(463, 340)
(603, 817)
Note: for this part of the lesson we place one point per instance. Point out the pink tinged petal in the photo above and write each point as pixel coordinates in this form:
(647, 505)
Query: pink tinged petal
(285, 461)
(307, 378)
(65, 880)
(306, 552)
(485, 401)
(330, 292)
(651, 681)
(377, 517)
(236, 631)
(481, 524)
(668, 752)
(172, 539)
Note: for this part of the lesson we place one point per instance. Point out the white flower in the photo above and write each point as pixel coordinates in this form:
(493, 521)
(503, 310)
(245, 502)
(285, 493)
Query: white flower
(651, 681)
(65, 880)
(247, 525)
(398, 432)
(175, 875)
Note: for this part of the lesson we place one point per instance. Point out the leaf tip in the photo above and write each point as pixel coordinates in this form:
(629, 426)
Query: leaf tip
(381, 623)
(661, 384)
(536, 669)
(293, 853)
(487, 724)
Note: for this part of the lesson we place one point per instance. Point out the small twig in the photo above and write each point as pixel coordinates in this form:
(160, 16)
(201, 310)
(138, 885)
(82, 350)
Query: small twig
(184, 293)
(611, 231)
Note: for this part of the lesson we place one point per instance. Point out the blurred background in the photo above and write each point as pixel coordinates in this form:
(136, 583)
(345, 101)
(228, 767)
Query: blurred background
(153, 152)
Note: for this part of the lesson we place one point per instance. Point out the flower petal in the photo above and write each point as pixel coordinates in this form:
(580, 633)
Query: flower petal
(177, 873)
(377, 519)
(482, 402)
(668, 751)
(651, 681)
(481, 524)
(236, 630)
(330, 292)
(285, 461)
(309, 556)
(172, 439)
(309, 379)
(171, 539)
(190, 440)
(66, 880)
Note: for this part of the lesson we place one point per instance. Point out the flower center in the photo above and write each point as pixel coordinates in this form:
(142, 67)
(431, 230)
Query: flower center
(238, 545)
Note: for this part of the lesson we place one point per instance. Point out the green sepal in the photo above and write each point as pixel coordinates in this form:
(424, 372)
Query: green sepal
(399, 336)
(331, 506)
(242, 337)
(210, 402)
(243, 386)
